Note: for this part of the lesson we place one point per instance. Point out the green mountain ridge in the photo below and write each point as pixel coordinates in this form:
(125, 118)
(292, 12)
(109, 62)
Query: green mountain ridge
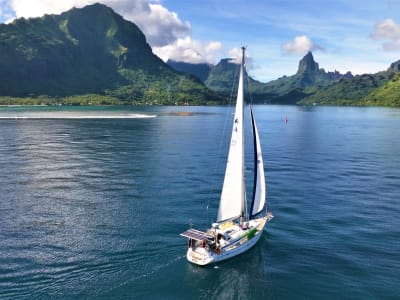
(90, 50)
(386, 95)
(91, 55)
(285, 90)
(312, 85)
(200, 70)
(357, 90)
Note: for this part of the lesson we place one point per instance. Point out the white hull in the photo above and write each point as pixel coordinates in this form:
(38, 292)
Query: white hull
(204, 256)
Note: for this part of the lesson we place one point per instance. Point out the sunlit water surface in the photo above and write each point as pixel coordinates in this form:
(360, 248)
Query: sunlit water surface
(93, 201)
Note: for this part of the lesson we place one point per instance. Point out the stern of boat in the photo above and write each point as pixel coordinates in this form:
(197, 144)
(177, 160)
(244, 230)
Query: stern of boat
(199, 256)
(199, 246)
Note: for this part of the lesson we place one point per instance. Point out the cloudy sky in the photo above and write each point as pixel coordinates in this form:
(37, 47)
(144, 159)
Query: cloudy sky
(361, 36)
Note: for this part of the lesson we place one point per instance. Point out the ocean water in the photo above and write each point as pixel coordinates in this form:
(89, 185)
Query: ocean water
(92, 201)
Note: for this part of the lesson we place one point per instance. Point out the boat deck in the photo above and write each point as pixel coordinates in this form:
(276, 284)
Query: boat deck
(223, 240)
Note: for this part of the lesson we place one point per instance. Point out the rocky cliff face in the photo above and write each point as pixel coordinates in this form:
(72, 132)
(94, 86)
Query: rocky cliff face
(395, 67)
(308, 65)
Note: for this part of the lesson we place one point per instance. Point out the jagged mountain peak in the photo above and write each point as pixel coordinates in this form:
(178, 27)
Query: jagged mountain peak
(307, 64)
(95, 7)
(395, 66)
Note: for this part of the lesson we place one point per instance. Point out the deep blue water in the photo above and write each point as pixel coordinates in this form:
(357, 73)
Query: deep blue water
(92, 208)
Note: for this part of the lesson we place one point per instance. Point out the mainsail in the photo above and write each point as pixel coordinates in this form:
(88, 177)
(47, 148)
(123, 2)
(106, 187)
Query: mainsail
(233, 196)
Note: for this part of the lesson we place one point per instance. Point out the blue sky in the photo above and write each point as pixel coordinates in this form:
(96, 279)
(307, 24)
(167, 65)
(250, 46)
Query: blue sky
(361, 36)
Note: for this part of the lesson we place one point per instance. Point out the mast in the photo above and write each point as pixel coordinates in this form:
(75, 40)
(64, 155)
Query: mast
(233, 195)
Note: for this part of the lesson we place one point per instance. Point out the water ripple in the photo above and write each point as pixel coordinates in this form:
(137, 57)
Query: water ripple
(93, 208)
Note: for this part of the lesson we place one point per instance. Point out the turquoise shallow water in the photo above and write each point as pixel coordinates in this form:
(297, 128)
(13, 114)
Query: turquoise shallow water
(93, 200)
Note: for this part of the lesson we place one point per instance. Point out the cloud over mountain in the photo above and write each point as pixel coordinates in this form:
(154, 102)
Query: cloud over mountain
(188, 50)
(300, 45)
(389, 31)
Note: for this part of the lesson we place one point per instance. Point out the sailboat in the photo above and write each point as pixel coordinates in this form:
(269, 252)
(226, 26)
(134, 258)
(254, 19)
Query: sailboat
(235, 231)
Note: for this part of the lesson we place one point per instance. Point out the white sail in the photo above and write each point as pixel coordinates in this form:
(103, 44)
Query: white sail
(232, 200)
(259, 190)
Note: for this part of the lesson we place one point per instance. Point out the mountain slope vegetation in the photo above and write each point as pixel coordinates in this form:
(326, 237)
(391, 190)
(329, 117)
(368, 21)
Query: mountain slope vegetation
(352, 91)
(386, 95)
(91, 50)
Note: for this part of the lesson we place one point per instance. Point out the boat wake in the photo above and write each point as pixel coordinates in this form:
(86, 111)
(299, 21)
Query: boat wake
(62, 116)
(154, 270)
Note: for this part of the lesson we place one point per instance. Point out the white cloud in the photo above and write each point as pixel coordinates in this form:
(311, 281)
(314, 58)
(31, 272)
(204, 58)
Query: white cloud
(388, 30)
(160, 25)
(300, 45)
(36, 8)
(188, 50)
(164, 30)
(236, 55)
(6, 14)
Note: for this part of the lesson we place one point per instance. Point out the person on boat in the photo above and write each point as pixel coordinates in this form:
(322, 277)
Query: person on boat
(219, 237)
(244, 225)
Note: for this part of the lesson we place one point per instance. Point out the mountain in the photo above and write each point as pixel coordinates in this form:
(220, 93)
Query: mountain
(222, 76)
(93, 55)
(358, 90)
(308, 65)
(387, 94)
(313, 85)
(90, 50)
(308, 78)
(201, 71)
(312, 75)
(395, 67)
(285, 90)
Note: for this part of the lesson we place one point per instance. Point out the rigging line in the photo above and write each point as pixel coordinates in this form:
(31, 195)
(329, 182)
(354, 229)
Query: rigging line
(231, 106)
(249, 88)
(249, 102)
